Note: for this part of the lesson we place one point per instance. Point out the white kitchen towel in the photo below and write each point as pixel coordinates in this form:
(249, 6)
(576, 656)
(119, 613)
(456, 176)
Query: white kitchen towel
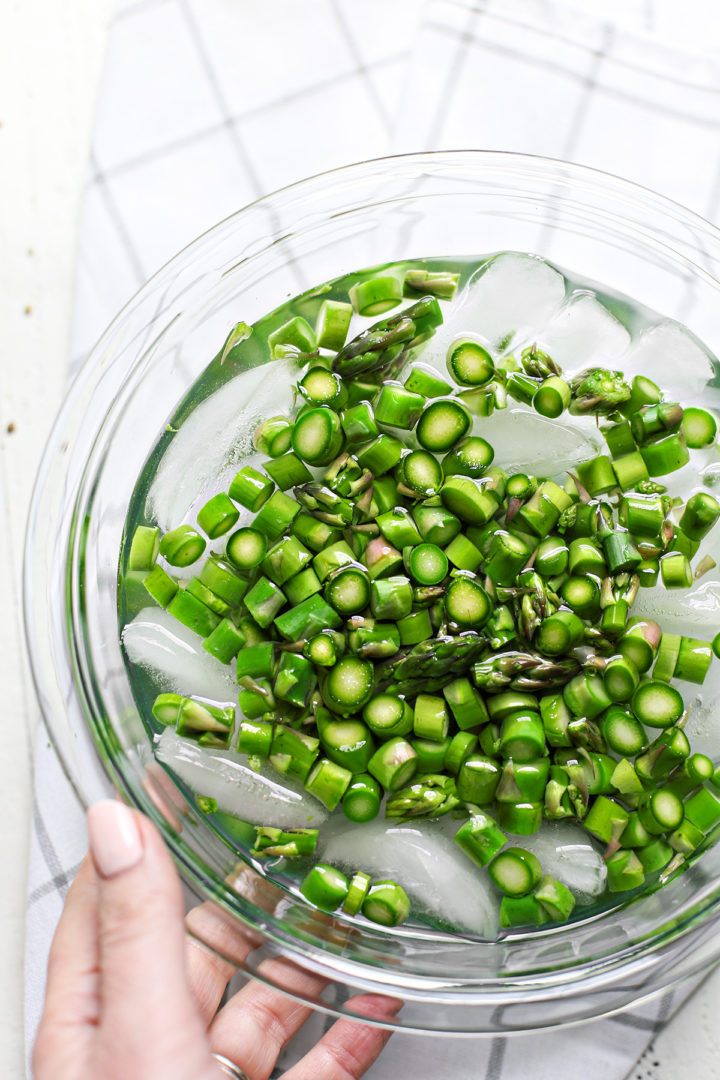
(208, 104)
(544, 78)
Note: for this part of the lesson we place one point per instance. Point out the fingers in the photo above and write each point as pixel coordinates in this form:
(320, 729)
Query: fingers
(210, 971)
(72, 994)
(145, 996)
(141, 911)
(255, 1025)
(217, 946)
(349, 1048)
(72, 980)
(208, 977)
(118, 986)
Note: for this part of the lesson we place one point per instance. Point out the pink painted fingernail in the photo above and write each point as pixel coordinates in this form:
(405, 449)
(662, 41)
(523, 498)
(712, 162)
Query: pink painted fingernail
(115, 840)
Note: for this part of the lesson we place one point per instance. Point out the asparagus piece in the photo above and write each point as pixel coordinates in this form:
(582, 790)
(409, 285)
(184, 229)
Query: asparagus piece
(523, 671)
(288, 843)
(432, 796)
(598, 391)
(486, 595)
(377, 347)
(386, 903)
(432, 664)
(537, 364)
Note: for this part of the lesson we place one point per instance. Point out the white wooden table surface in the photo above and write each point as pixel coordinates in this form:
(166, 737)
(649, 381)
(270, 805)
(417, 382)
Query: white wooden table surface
(51, 55)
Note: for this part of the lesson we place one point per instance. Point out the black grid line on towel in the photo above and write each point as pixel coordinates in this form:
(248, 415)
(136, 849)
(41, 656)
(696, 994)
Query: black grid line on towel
(466, 39)
(646, 1023)
(217, 92)
(228, 122)
(649, 15)
(248, 114)
(99, 180)
(59, 883)
(494, 1069)
(557, 36)
(49, 853)
(597, 58)
(362, 68)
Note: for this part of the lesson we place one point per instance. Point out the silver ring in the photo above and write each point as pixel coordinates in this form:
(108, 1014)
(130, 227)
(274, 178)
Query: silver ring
(229, 1067)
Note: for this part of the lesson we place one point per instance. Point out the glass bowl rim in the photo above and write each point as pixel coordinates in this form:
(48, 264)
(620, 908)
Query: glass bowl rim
(571, 172)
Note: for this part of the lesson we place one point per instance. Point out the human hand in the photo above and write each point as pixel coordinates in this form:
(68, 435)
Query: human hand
(130, 997)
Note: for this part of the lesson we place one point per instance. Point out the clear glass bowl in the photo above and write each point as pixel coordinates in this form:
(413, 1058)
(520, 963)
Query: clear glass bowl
(458, 203)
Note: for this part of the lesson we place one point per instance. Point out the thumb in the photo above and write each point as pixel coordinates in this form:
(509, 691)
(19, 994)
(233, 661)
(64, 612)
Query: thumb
(142, 941)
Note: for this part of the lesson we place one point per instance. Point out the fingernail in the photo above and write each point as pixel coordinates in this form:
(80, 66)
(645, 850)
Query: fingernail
(115, 840)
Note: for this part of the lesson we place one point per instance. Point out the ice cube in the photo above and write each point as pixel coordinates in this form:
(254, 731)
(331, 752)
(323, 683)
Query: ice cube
(260, 798)
(672, 358)
(702, 726)
(527, 442)
(583, 334)
(694, 611)
(439, 879)
(215, 436)
(512, 297)
(566, 851)
(174, 657)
